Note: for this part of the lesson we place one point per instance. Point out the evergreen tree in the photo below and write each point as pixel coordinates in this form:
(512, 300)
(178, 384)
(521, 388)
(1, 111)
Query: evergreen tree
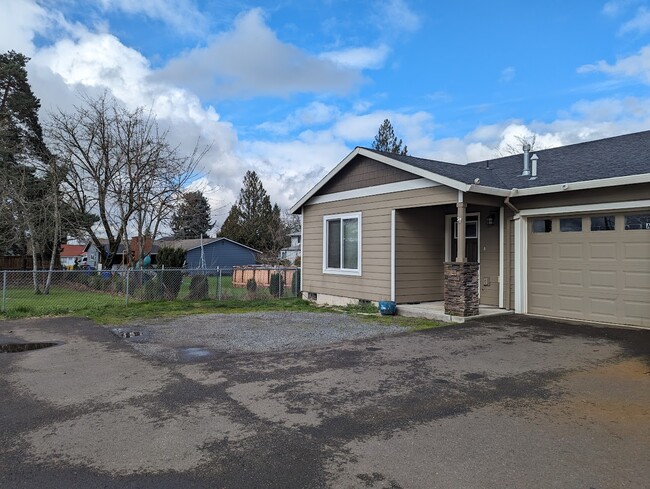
(386, 141)
(192, 216)
(252, 221)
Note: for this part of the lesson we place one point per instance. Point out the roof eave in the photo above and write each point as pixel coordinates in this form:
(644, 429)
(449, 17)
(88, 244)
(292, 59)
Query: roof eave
(583, 185)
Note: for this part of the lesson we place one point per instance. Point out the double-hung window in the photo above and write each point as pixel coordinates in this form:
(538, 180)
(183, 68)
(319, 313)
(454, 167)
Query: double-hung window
(342, 244)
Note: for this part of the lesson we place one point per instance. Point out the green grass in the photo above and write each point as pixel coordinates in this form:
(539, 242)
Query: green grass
(105, 308)
(24, 302)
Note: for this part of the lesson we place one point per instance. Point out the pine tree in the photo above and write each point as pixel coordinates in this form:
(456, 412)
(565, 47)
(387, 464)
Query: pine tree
(192, 216)
(252, 221)
(386, 141)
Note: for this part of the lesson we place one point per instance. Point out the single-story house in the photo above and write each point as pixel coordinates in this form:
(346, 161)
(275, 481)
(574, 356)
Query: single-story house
(70, 254)
(212, 253)
(292, 251)
(92, 256)
(563, 232)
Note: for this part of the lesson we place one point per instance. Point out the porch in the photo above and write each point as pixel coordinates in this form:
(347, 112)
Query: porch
(436, 311)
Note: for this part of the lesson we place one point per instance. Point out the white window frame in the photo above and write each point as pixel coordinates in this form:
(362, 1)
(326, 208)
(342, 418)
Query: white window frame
(342, 271)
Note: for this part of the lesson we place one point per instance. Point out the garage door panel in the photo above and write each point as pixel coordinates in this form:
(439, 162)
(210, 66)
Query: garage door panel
(590, 275)
(637, 281)
(570, 250)
(601, 251)
(603, 279)
(571, 278)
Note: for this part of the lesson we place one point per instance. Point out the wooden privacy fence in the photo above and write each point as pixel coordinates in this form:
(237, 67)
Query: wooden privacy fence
(262, 275)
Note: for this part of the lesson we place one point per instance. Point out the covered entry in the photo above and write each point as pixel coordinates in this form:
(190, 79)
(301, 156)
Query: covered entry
(591, 267)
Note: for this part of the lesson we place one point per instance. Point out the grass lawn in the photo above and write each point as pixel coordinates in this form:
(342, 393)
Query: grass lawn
(104, 308)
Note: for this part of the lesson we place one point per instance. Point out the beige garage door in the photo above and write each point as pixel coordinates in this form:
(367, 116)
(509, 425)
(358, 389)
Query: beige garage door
(591, 267)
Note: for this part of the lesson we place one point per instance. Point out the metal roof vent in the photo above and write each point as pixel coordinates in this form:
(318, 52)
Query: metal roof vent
(526, 172)
(533, 160)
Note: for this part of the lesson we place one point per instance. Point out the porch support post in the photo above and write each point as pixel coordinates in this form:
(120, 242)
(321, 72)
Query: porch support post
(460, 228)
(461, 277)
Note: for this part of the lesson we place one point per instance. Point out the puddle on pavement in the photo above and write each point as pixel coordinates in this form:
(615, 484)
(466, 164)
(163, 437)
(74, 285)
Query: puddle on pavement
(21, 347)
(191, 353)
(122, 333)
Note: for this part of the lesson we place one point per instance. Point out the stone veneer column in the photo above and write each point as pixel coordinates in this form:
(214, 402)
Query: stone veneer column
(461, 288)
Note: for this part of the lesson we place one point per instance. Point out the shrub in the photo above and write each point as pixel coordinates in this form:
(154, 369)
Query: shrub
(151, 291)
(171, 283)
(199, 288)
(251, 285)
(251, 289)
(171, 257)
(297, 261)
(96, 282)
(275, 285)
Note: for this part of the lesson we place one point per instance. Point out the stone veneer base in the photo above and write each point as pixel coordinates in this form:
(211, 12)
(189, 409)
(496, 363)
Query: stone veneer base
(461, 289)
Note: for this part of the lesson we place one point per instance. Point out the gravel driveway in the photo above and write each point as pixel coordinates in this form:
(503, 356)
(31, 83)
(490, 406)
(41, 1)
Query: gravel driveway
(202, 336)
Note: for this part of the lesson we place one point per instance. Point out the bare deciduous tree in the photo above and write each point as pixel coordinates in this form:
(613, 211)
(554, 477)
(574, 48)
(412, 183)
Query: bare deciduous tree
(121, 168)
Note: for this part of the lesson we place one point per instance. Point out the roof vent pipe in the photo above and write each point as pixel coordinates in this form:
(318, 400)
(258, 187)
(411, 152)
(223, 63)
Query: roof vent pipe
(526, 171)
(533, 160)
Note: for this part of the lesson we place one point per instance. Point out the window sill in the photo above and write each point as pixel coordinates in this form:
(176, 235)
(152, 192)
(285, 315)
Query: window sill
(338, 271)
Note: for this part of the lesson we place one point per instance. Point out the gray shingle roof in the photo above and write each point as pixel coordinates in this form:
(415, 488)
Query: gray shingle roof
(594, 160)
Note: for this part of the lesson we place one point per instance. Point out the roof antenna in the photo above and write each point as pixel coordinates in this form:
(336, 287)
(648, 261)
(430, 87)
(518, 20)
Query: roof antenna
(526, 172)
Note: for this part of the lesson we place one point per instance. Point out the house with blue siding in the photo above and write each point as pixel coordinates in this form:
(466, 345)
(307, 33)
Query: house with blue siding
(217, 252)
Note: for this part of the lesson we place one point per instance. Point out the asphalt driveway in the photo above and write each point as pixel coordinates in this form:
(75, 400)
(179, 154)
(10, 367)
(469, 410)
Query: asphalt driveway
(505, 402)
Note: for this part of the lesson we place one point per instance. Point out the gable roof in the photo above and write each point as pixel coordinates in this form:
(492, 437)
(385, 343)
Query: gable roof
(69, 250)
(605, 162)
(191, 244)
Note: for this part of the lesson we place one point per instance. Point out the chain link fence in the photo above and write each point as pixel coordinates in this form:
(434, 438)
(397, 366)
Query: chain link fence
(68, 290)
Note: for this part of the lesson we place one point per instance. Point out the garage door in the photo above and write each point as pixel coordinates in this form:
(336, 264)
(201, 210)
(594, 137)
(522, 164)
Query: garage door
(590, 267)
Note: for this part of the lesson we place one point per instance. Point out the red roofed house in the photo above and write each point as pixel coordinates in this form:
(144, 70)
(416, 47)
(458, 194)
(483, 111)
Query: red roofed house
(69, 253)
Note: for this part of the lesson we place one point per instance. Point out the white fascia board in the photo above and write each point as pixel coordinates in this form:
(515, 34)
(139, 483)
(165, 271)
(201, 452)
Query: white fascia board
(584, 185)
(387, 188)
(449, 182)
(573, 209)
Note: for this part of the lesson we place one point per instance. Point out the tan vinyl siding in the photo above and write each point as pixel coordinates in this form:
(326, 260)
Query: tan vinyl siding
(419, 255)
(364, 172)
(374, 282)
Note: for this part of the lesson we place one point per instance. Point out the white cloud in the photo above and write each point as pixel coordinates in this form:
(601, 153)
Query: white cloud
(634, 66)
(316, 113)
(359, 58)
(396, 15)
(639, 24)
(617, 7)
(22, 21)
(250, 60)
(183, 15)
(507, 74)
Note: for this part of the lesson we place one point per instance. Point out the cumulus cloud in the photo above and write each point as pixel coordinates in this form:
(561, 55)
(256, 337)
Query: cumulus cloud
(639, 24)
(616, 7)
(23, 21)
(250, 60)
(183, 15)
(634, 66)
(359, 58)
(314, 114)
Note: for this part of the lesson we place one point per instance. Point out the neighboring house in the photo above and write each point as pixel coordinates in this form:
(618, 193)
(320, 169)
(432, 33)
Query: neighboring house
(217, 252)
(92, 257)
(294, 250)
(71, 254)
(563, 233)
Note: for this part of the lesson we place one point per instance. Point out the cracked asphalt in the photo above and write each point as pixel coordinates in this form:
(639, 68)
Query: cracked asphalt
(508, 401)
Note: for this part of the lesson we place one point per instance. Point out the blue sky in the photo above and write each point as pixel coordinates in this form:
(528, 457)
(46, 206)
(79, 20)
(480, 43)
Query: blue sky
(288, 88)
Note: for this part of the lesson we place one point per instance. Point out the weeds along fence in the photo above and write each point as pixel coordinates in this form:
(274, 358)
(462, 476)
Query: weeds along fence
(70, 290)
